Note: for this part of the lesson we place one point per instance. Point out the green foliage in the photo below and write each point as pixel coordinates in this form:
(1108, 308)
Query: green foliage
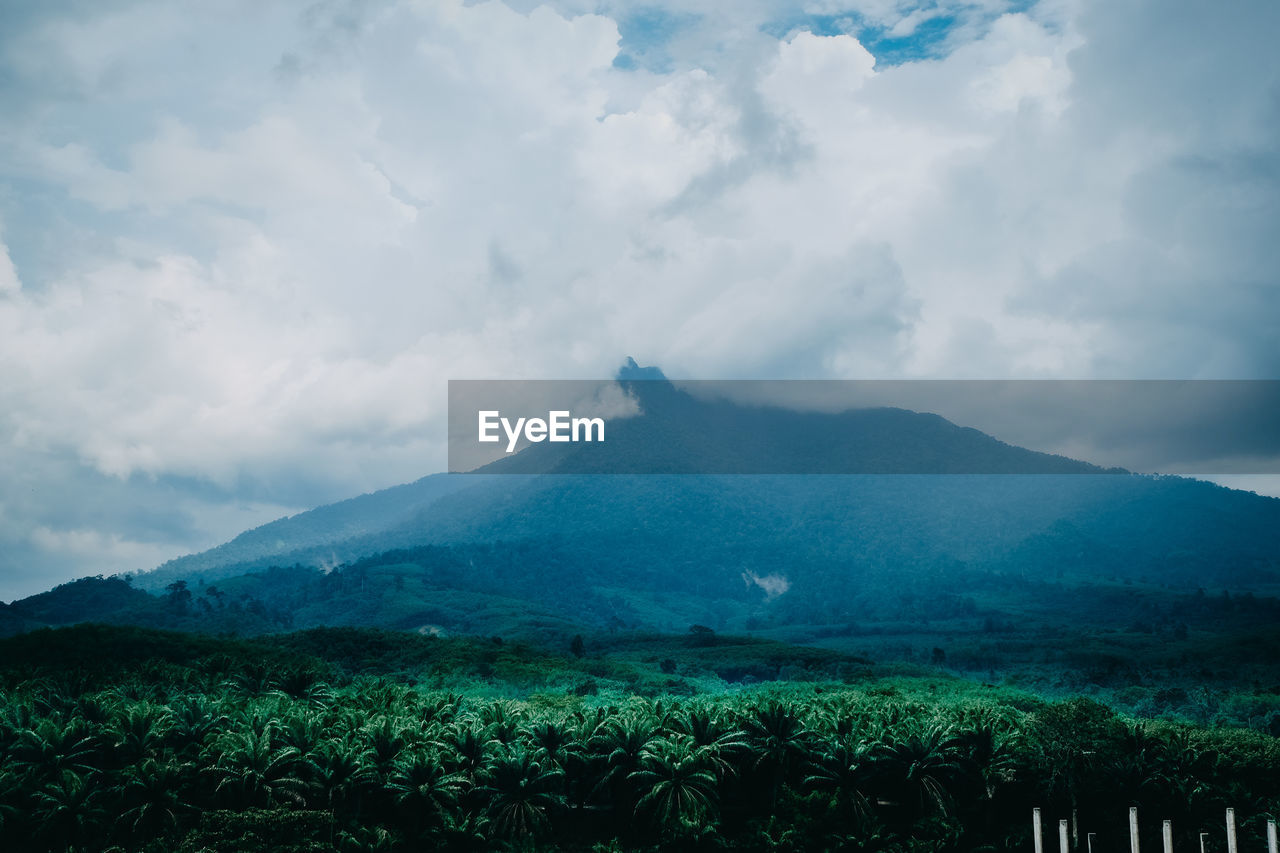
(271, 745)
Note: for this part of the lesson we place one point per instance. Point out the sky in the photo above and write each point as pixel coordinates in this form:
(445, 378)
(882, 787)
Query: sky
(244, 246)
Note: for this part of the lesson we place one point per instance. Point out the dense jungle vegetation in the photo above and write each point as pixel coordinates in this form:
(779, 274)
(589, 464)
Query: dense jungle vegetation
(120, 738)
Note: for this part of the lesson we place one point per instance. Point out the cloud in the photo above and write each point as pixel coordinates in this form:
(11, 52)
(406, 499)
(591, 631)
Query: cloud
(773, 585)
(60, 518)
(108, 549)
(246, 247)
(648, 155)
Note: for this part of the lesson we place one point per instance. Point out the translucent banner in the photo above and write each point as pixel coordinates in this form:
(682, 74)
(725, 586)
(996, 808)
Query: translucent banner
(639, 426)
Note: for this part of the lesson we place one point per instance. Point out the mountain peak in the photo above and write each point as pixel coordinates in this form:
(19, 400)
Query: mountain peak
(632, 371)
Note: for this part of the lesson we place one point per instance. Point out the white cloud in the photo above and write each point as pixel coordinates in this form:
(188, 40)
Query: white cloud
(110, 551)
(647, 156)
(254, 242)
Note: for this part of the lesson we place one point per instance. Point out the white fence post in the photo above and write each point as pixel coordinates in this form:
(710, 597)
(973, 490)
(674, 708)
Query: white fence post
(1133, 829)
(1271, 837)
(1035, 830)
(1062, 836)
(1231, 831)
(1168, 836)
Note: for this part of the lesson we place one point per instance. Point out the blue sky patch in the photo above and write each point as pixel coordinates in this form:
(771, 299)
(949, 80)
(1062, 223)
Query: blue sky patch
(926, 42)
(645, 36)
(929, 40)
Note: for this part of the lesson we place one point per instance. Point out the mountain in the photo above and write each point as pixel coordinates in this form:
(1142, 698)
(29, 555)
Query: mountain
(677, 434)
(306, 535)
(1047, 557)
(1071, 515)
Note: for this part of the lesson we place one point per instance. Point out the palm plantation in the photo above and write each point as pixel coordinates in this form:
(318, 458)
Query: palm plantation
(227, 754)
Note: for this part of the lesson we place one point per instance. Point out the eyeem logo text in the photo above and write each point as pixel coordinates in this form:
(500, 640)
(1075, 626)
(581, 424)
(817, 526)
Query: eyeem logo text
(558, 426)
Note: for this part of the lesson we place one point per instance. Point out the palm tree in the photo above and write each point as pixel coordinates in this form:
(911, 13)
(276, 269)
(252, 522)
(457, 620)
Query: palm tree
(68, 809)
(140, 733)
(16, 716)
(193, 722)
(464, 748)
(304, 732)
(93, 708)
(921, 772)
(258, 717)
(619, 748)
(301, 682)
(846, 772)
(49, 749)
(677, 787)
(254, 773)
(779, 743)
(504, 731)
(554, 744)
(254, 679)
(994, 751)
(425, 791)
(153, 793)
(385, 740)
(715, 741)
(440, 708)
(381, 696)
(341, 776)
(522, 795)
(500, 711)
